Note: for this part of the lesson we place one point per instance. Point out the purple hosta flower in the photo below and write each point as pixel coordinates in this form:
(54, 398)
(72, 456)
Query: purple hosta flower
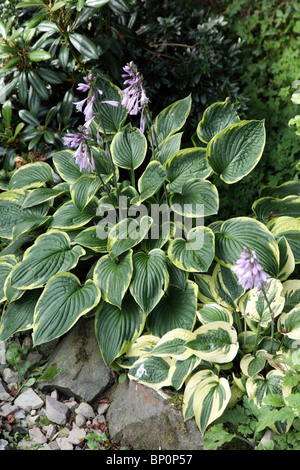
(83, 155)
(134, 96)
(90, 86)
(249, 271)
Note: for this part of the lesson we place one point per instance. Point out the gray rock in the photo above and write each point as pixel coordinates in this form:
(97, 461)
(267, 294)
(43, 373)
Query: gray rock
(37, 436)
(7, 409)
(3, 444)
(9, 376)
(142, 417)
(29, 400)
(85, 410)
(2, 353)
(77, 435)
(50, 431)
(56, 411)
(64, 444)
(4, 396)
(83, 373)
(80, 420)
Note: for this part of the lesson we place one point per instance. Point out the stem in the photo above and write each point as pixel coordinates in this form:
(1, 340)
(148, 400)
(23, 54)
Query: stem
(256, 340)
(238, 321)
(108, 148)
(132, 177)
(272, 320)
(154, 142)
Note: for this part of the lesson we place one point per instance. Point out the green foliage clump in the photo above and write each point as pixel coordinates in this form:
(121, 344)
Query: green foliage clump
(270, 42)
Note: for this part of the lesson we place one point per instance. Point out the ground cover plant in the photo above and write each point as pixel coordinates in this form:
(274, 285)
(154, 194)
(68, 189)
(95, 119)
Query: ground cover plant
(121, 223)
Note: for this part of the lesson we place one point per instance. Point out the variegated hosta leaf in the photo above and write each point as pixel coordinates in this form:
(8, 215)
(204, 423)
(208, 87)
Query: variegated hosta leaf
(117, 329)
(286, 259)
(176, 309)
(289, 188)
(89, 239)
(205, 397)
(240, 382)
(14, 219)
(171, 119)
(168, 147)
(196, 253)
(84, 189)
(236, 150)
(267, 208)
(32, 175)
(191, 385)
(225, 288)
(18, 315)
(173, 344)
(214, 342)
(258, 386)
(41, 195)
(252, 365)
(142, 347)
(113, 277)
(247, 340)
(69, 217)
(289, 323)
(51, 253)
(150, 182)
(128, 148)
(6, 265)
(214, 312)
(126, 234)
(204, 283)
(288, 227)
(152, 371)
(63, 301)
(210, 400)
(180, 370)
(291, 293)
(254, 305)
(215, 118)
(196, 198)
(238, 232)
(150, 278)
(184, 165)
(66, 166)
(112, 117)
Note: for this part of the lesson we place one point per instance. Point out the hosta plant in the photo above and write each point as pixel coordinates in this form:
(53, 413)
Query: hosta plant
(245, 341)
(117, 226)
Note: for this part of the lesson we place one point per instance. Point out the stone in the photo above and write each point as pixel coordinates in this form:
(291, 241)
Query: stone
(9, 376)
(102, 408)
(29, 400)
(77, 435)
(50, 431)
(37, 436)
(80, 420)
(64, 444)
(4, 396)
(3, 444)
(7, 409)
(2, 353)
(56, 411)
(85, 410)
(140, 416)
(83, 374)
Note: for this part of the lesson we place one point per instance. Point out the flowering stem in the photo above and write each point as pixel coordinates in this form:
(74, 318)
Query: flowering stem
(108, 149)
